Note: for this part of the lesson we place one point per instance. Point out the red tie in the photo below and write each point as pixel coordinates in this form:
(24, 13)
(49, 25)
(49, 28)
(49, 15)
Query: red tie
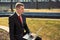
(20, 18)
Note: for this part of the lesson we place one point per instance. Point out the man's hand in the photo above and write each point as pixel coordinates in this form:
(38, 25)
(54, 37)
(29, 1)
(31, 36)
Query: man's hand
(32, 35)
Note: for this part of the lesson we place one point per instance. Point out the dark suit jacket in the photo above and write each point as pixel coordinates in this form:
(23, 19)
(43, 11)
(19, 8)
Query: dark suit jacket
(16, 28)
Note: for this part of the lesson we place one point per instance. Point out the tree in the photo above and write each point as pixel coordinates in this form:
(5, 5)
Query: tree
(11, 6)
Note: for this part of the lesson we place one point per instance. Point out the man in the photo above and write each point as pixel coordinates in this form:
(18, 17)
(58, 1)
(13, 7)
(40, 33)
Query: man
(17, 23)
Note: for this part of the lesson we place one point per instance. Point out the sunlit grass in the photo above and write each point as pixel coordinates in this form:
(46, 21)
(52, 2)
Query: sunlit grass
(50, 30)
(4, 21)
(40, 10)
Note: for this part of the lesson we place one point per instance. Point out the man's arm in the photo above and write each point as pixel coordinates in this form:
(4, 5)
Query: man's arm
(11, 28)
(26, 27)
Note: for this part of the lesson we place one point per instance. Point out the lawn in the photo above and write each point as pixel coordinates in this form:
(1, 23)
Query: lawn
(50, 28)
(4, 21)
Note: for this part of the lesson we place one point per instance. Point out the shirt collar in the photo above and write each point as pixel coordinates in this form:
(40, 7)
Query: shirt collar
(17, 14)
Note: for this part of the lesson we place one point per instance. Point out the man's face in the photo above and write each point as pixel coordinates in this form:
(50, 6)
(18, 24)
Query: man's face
(21, 9)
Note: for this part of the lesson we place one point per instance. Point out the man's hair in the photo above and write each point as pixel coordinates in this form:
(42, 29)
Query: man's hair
(18, 5)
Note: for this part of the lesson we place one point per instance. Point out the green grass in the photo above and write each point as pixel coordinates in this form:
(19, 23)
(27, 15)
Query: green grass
(4, 21)
(50, 30)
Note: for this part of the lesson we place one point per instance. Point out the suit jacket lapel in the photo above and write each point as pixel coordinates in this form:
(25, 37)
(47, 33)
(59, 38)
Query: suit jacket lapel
(16, 18)
(23, 17)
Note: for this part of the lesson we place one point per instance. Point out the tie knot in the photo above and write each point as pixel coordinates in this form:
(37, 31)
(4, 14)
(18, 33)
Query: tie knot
(19, 17)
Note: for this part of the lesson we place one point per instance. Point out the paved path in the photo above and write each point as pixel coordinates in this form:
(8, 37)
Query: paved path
(5, 28)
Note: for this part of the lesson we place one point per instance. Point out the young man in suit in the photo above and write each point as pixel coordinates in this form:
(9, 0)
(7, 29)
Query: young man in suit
(17, 23)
